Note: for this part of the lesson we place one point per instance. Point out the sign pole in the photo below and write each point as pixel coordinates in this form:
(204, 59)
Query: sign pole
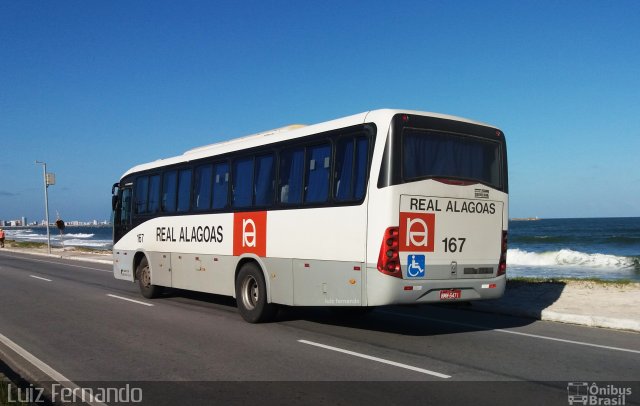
(46, 202)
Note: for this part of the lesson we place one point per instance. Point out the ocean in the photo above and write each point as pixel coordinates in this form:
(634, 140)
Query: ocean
(100, 237)
(607, 248)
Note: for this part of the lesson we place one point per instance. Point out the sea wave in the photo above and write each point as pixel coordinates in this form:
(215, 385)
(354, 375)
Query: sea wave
(618, 240)
(567, 257)
(100, 244)
(79, 235)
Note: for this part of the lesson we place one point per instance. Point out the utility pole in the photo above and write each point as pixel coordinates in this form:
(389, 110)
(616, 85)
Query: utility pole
(49, 179)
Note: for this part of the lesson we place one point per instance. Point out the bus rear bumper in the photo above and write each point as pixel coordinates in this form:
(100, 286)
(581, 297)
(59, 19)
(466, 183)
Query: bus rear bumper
(386, 290)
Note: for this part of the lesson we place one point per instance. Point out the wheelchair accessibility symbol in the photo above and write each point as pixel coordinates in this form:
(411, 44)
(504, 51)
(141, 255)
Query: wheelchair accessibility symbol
(415, 266)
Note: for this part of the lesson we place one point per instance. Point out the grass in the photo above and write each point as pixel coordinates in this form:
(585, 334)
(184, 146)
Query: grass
(599, 281)
(24, 244)
(91, 250)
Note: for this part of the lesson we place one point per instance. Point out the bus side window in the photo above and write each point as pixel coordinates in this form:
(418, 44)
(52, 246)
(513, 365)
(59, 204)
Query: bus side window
(169, 191)
(317, 174)
(184, 189)
(291, 170)
(220, 185)
(263, 180)
(343, 174)
(202, 188)
(141, 194)
(125, 209)
(351, 168)
(242, 195)
(361, 167)
(154, 194)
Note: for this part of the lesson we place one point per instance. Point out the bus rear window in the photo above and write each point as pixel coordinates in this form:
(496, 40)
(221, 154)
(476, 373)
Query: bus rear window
(433, 154)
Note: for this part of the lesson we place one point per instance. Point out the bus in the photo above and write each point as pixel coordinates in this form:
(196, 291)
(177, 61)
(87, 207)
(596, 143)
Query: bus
(379, 208)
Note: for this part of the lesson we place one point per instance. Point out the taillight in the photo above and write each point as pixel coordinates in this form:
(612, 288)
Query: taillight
(389, 257)
(502, 267)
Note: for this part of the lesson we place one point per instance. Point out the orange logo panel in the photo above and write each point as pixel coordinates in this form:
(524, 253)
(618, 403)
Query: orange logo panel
(417, 231)
(250, 233)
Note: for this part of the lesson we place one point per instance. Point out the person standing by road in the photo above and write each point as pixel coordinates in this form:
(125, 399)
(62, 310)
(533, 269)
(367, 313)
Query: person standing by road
(1, 238)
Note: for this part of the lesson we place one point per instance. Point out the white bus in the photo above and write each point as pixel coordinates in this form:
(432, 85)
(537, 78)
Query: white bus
(379, 208)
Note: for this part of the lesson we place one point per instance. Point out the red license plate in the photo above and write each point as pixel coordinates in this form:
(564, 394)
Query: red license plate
(450, 294)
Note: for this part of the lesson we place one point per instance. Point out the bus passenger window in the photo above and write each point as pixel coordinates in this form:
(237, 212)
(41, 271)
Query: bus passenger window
(317, 174)
(263, 181)
(202, 188)
(142, 191)
(291, 170)
(184, 190)
(154, 194)
(361, 167)
(125, 209)
(242, 182)
(169, 183)
(220, 185)
(344, 169)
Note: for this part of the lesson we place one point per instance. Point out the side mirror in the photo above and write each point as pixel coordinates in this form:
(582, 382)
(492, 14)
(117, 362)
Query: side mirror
(114, 202)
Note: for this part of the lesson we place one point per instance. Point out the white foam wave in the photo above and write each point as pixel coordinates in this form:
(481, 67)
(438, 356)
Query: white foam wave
(566, 257)
(85, 243)
(79, 235)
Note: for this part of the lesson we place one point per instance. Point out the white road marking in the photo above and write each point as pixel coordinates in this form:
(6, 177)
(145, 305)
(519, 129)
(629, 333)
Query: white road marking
(59, 263)
(129, 300)
(499, 330)
(42, 366)
(369, 357)
(42, 279)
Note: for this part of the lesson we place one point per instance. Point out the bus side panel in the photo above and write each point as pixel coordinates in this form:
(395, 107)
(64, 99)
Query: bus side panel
(160, 263)
(328, 246)
(123, 265)
(333, 233)
(203, 273)
(280, 280)
(327, 283)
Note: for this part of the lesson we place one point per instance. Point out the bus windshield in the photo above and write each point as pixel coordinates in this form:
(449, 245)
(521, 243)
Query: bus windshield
(433, 154)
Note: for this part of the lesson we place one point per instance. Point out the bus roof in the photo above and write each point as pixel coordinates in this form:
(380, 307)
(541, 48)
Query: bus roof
(284, 133)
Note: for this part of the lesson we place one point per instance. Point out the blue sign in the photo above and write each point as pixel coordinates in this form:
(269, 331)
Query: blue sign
(416, 266)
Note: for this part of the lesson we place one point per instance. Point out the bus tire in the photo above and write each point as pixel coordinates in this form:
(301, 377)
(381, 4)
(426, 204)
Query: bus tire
(143, 273)
(251, 295)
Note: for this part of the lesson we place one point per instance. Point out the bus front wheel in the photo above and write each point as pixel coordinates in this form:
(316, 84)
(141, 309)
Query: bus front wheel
(251, 295)
(143, 273)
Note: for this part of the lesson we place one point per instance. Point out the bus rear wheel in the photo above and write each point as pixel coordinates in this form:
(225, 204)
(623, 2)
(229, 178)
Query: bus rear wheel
(251, 295)
(143, 273)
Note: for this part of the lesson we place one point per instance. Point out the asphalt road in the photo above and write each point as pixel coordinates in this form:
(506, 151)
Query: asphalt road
(74, 318)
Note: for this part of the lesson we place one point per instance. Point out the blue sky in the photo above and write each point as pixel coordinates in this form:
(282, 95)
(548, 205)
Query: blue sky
(95, 87)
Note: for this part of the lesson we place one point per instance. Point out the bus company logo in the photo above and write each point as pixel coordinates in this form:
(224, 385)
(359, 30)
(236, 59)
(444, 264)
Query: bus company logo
(250, 233)
(417, 231)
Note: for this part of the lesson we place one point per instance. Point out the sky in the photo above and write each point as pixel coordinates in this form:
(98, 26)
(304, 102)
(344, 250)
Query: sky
(93, 88)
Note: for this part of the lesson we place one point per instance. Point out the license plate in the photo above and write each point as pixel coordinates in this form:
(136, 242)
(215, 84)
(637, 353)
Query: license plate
(450, 294)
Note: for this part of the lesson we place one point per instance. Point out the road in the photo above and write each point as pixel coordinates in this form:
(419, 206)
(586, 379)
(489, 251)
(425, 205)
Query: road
(79, 321)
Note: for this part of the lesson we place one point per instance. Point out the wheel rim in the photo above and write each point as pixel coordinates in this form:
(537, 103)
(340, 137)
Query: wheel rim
(145, 277)
(250, 292)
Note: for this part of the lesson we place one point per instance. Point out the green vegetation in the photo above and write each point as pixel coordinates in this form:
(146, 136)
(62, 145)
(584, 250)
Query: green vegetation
(599, 281)
(24, 244)
(91, 250)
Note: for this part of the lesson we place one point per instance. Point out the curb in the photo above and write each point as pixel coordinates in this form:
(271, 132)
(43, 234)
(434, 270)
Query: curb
(568, 318)
(58, 256)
